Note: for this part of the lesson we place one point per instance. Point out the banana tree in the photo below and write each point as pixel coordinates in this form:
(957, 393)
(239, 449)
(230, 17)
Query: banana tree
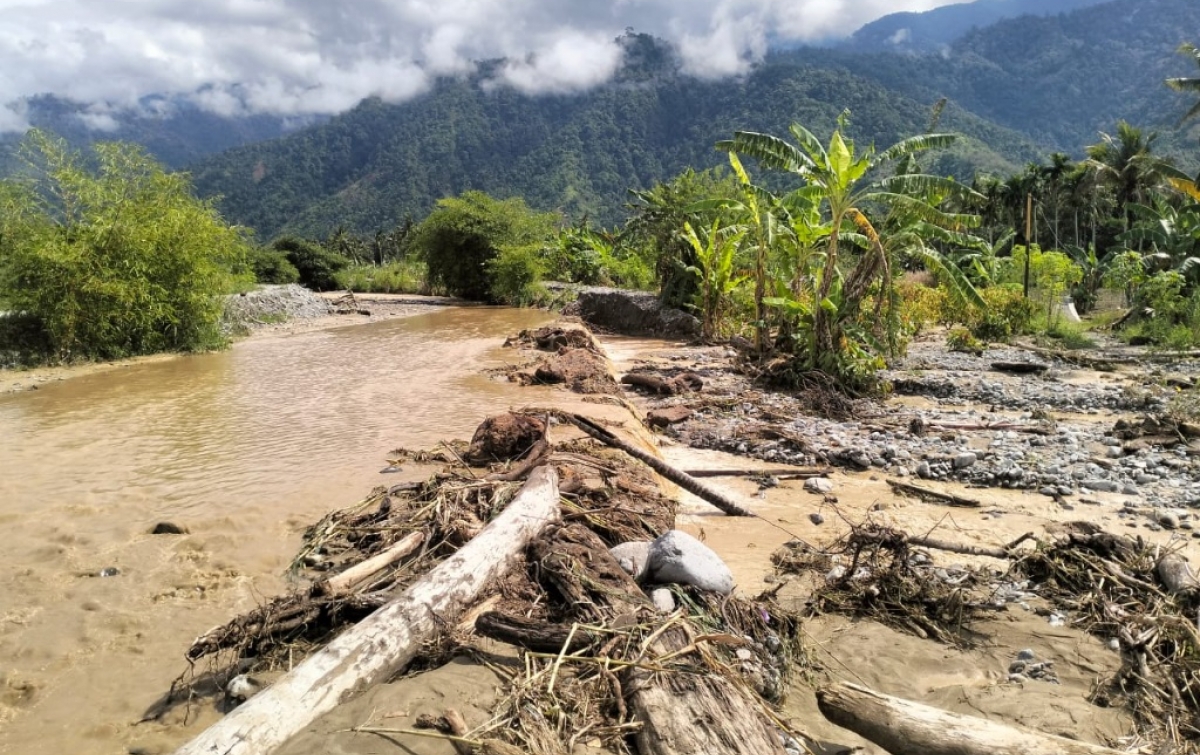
(716, 252)
(844, 182)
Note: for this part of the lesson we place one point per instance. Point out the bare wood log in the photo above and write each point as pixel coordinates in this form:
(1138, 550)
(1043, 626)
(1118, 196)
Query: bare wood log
(907, 488)
(346, 581)
(1177, 575)
(903, 727)
(383, 643)
(1013, 426)
(682, 479)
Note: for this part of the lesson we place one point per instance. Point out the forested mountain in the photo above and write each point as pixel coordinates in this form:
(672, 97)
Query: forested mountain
(581, 153)
(933, 30)
(1018, 89)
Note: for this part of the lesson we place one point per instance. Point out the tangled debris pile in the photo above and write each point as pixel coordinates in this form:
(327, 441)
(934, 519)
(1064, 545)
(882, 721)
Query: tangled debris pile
(601, 663)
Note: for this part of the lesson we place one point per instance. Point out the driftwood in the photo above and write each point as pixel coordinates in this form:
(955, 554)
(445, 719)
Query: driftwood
(945, 545)
(903, 727)
(682, 479)
(1177, 575)
(936, 496)
(682, 713)
(342, 583)
(387, 640)
(531, 634)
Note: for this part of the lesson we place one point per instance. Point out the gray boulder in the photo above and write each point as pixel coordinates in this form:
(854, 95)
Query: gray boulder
(679, 558)
(633, 557)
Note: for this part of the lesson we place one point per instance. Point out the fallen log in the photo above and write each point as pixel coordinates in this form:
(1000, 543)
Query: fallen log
(387, 640)
(684, 383)
(935, 496)
(346, 581)
(690, 711)
(903, 727)
(682, 479)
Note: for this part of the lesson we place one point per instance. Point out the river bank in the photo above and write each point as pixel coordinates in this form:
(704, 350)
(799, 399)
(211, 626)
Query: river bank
(1030, 455)
(267, 312)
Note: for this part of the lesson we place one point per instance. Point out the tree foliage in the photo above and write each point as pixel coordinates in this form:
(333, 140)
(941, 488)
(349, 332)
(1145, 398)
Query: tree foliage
(113, 256)
(482, 248)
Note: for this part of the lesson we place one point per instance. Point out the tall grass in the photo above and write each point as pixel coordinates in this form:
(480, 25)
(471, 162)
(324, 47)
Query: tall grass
(400, 277)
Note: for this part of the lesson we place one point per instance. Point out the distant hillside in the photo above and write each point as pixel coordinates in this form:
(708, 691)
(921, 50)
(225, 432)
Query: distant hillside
(1058, 79)
(933, 30)
(179, 134)
(580, 154)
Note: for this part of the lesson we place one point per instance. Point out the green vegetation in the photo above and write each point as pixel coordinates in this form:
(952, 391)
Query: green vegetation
(486, 249)
(111, 257)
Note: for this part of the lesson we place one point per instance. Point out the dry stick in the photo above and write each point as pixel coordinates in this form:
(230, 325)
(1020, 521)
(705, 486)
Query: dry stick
(796, 473)
(349, 579)
(936, 495)
(682, 479)
(945, 545)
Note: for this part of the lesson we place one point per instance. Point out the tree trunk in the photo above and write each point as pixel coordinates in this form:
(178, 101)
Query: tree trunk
(903, 727)
(384, 643)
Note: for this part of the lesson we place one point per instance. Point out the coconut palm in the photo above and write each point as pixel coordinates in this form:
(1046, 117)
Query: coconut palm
(1126, 164)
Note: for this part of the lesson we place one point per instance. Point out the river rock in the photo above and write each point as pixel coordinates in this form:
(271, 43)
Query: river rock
(634, 557)
(679, 558)
(168, 528)
(1169, 520)
(663, 600)
(670, 415)
(634, 313)
(964, 460)
(505, 437)
(819, 485)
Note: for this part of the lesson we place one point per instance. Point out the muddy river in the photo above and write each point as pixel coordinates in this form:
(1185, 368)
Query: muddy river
(243, 448)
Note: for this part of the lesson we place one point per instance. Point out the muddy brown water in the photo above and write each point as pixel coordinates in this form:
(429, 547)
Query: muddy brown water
(244, 448)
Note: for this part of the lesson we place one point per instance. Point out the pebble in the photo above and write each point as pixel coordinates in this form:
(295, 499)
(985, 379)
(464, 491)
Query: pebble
(816, 519)
(242, 687)
(663, 600)
(168, 528)
(108, 571)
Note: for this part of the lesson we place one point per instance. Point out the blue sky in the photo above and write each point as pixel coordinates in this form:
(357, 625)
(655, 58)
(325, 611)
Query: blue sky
(303, 57)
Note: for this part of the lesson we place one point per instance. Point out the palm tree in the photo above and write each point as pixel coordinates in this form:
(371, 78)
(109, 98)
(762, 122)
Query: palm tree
(1188, 84)
(1127, 165)
(837, 179)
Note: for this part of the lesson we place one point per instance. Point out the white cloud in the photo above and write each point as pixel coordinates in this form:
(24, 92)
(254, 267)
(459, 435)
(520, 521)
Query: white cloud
(303, 57)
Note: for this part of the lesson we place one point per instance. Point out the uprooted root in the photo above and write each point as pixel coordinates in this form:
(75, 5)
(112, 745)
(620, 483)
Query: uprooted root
(1109, 584)
(877, 573)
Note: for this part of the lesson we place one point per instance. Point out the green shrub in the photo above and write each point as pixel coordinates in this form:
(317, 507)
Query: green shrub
(318, 267)
(1008, 313)
(516, 272)
(961, 339)
(465, 233)
(272, 266)
(126, 262)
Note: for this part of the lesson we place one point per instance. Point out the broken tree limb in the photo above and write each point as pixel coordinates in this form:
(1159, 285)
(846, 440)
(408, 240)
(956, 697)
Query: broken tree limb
(532, 634)
(387, 640)
(346, 581)
(935, 496)
(903, 727)
(949, 547)
(783, 473)
(682, 479)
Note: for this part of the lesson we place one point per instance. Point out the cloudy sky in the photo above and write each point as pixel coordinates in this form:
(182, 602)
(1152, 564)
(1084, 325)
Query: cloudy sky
(296, 57)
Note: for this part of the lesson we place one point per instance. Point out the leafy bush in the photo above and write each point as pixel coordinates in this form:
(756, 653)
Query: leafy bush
(1008, 313)
(318, 267)
(463, 234)
(272, 266)
(516, 272)
(125, 261)
(961, 339)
